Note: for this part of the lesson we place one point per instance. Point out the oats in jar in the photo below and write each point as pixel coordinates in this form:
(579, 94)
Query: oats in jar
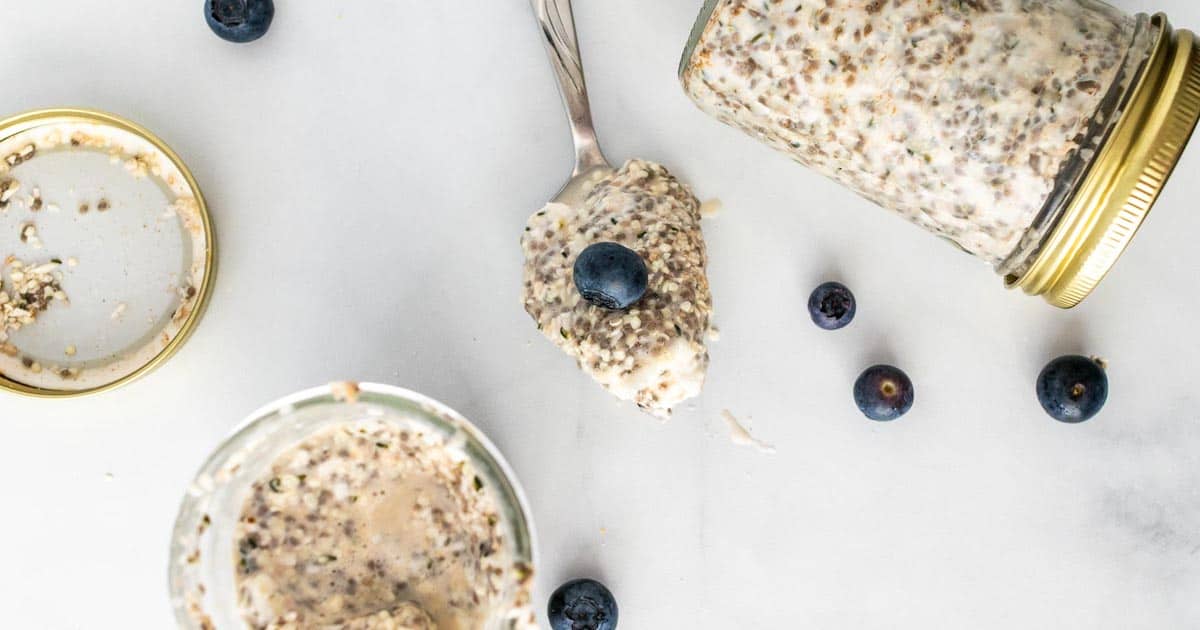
(371, 524)
(963, 116)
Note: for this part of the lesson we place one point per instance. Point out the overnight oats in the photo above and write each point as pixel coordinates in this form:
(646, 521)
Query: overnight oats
(106, 253)
(354, 508)
(654, 352)
(979, 120)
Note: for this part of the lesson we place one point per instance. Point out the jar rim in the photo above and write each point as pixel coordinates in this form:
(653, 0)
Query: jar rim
(698, 28)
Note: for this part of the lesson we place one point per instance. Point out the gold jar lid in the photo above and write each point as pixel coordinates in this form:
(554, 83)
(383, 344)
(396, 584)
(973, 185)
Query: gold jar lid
(189, 272)
(1126, 177)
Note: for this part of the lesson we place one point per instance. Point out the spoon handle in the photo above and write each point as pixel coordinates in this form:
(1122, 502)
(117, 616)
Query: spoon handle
(557, 24)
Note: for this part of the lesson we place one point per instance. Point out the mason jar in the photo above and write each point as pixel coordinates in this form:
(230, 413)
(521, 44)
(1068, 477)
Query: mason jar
(1033, 134)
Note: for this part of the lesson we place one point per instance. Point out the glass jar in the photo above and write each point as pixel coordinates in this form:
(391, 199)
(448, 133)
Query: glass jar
(1033, 134)
(203, 572)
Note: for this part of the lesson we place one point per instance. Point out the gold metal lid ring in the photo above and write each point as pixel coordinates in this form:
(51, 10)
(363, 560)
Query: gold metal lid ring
(33, 119)
(1126, 178)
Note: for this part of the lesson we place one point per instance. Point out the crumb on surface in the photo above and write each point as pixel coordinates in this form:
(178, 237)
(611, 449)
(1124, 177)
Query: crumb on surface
(741, 436)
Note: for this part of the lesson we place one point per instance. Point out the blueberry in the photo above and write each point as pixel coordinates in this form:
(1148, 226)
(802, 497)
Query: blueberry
(1073, 388)
(883, 393)
(583, 605)
(239, 20)
(832, 306)
(611, 276)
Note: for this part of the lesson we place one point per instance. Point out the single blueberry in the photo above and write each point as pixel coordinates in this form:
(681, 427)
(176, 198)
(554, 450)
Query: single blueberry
(239, 20)
(832, 306)
(1073, 389)
(884, 393)
(611, 276)
(583, 605)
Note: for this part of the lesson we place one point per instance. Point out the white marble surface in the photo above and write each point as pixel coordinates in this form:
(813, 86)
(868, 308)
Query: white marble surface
(370, 165)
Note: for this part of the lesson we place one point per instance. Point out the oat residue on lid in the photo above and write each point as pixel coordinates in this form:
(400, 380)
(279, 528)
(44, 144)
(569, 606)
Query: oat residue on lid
(29, 235)
(8, 189)
(29, 190)
(654, 353)
(26, 291)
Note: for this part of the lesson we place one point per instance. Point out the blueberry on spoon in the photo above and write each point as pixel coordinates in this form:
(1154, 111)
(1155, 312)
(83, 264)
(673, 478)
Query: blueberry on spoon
(583, 605)
(884, 393)
(832, 306)
(611, 276)
(1073, 389)
(239, 21)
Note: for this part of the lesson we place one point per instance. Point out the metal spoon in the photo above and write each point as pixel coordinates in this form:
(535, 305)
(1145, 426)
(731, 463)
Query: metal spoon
(562, 45)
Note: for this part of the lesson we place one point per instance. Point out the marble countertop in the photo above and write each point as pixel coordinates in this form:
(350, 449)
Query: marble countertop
(370, 166)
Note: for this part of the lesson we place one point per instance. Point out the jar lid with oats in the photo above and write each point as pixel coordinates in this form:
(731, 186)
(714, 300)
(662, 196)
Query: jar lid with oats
(1033, 134)
(108, 252)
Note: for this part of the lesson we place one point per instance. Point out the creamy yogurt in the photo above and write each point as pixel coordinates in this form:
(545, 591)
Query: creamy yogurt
(654, 353)
(959, 115)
